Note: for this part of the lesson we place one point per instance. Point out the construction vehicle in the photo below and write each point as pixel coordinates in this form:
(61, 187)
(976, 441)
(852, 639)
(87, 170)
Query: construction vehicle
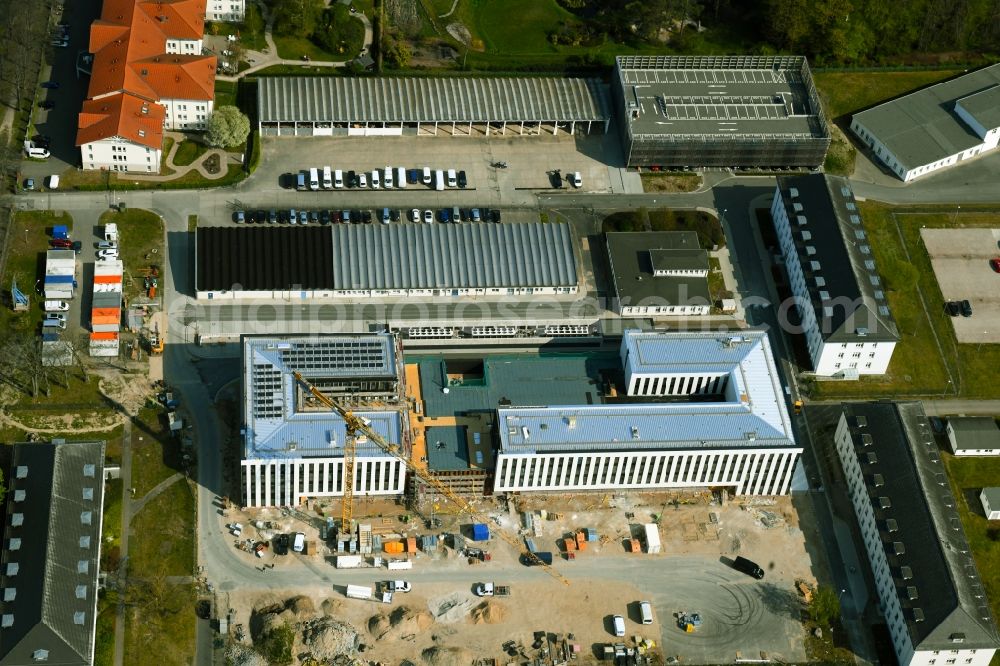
(358, 425)
(797, 406)
(491, 590)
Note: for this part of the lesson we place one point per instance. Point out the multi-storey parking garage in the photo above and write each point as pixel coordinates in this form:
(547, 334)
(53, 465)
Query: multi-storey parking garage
(453, 106)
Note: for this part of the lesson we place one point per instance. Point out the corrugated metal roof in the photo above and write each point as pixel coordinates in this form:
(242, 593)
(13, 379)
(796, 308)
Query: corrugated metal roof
(403, 99)
(666, 352)
(315, 434)
(444, 256)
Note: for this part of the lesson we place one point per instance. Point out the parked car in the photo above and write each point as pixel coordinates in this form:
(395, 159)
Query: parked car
(462, 180)
(966, 308)
(281, 544)
(29, 184)
(111, 253)
(366, 216)
(394, 215)
(314, 217)
(399, 586)
(362, 180)
(415, 215)
(428, 216)
(953, 308)
(495, 215)
(47, 104)
(555, 177)
(444, 215)
(385, 216)
(239, 217)
(749, 567)
(299, 542)
(55, 306)
(352, 179)
(42, 141)
(995, 264)
(260, 216)
(618, 623)
(53, 316)
(452, 178)
(50, 85)
(324, 217)
(346, 216)
(474, 215)
(426, 178)
(107, 245)
(272, 216)
(413, 176)
(303, 217)
(576, 179)
(376, 179)
(60, 243)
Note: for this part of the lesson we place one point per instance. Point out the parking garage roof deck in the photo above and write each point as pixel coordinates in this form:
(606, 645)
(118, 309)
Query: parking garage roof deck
(338, 99)
(719, 96)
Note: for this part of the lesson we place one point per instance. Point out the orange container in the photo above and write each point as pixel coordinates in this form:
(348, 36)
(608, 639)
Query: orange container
(393, 546)
(581, 537)
(570, 545)
(107, 279)
(634, 546)
(113, 335)
(411, 545)
(581, 545)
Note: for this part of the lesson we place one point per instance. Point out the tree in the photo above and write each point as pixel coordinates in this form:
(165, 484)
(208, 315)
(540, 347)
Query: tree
(395, 52)
(825, 606)
(228, 126)
(253, 22)
(296, 17)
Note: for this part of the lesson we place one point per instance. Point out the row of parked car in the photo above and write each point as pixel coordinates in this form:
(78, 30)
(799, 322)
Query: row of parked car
(955, 308)
(364, 216)
(325, 178)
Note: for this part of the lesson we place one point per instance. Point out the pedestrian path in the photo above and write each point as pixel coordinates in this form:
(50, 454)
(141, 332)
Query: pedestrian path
(198, 165)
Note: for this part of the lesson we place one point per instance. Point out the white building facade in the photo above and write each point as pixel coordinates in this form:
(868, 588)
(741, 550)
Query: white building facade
(118, 154)
(743, 439)
(290, 481)
(187, 114)
(927, 593)
(839, 294)
(184, 46)
(230, 11)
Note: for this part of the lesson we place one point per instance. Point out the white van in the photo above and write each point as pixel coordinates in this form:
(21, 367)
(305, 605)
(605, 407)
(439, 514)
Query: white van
(55, 306)
(53, 182)
(452, 178)
(375, 179)
(387, 178)
(400, 177)
(646, 612)
(313, 179)
(427, 176)
(327, 178)
(439, 180)
(619, 623)
(38, 153)
(299, 544)
(338, 179)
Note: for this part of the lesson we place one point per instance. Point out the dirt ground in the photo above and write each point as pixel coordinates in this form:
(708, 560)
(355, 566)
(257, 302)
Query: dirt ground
(696, 531)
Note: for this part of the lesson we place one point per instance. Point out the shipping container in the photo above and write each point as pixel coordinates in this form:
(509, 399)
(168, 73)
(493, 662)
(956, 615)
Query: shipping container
(652, 538)
(480, 532)
(359, 592)
(411, 545)
(393, 546)
(399, 565)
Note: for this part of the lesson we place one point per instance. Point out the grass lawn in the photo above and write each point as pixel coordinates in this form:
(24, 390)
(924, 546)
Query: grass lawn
(708, 228)
(225, 93)
(140, 234)
(161, 620)
(968, 476)
(111, 528)
(155, 454)
(847, 92)
(919, 367)
(104, 643)
(292, 47)
(29, 240)
(716, 284)
(74, 179)
(188, 152)
(670, 182)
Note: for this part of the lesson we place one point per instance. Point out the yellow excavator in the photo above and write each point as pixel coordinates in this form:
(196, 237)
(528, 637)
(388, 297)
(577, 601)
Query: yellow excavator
(360, 426)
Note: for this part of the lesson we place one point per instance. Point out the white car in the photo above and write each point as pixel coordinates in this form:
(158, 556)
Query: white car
(375, 179)
(110, 253)
(362, 180)
(426, 176)
(576, 179)
(399, 586)
(299, 542)
(428, 216)
(56, 317)
(55, 306)
(415, 215)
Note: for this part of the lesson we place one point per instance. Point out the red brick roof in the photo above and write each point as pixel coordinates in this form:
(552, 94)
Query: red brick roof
(129, 43)
(121, 115)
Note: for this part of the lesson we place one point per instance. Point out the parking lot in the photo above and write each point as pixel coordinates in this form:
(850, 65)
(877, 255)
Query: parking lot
(961, 261)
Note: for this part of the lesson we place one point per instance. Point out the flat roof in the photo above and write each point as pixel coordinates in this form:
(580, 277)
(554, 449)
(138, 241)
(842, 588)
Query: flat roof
(833, 248)
(51, 551)
(632, 256)
(447, 448)
(992, 496)
(722, 96)
(256, 258)
(446, 256)
(923, 127)
(975, 432)
(278, 426)
(895, 442)
(342, 99)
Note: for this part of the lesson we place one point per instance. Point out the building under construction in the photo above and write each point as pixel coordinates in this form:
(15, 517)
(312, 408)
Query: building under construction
(721, 111)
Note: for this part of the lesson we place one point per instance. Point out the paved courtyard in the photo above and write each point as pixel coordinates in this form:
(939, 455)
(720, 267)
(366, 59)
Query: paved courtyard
(961, 261)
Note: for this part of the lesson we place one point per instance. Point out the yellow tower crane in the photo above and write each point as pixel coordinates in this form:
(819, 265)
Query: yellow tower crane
(358, 425)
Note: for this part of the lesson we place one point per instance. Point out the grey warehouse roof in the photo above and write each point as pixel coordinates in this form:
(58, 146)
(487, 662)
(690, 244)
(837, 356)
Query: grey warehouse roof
(460, 99)
(724, 96)
(975, 432)
(847, 293)
(446, 256)
(923, 127)
(947, 598)
(52, 539)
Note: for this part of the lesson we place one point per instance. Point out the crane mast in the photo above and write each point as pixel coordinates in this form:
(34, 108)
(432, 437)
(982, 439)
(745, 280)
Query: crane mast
(356, 424)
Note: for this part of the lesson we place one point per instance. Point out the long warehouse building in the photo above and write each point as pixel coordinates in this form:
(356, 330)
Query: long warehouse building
(450, 106)
(400, 260)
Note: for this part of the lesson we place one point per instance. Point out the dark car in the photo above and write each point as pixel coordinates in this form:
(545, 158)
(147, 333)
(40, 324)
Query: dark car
(444, 215)
(260, 216)
(462, 180)
(51, 85)
(283, 217)
(543, 557)
(555, 176)
(287, 181)
(495, 215)
(366, 216)
(324, 216)
(314, 217)
(463, 214)
(63, 243)
(42, 141)
(281, 544)
(749, 567)
(413, 176)
(995, 264)
(272, 216)
(335, 216)
(352, 179)
(953, 308)
(394, 215)
(47, 104)
(966, 308)
(29, 184)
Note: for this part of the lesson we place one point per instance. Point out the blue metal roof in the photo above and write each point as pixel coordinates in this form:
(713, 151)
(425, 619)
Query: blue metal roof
(315, 434)
(663, 352)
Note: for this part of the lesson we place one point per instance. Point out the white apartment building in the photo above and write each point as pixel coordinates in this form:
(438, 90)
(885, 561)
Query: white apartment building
(936, 127)
(839, 294)
(231, 11)
(293, 444)
(187, 114)
(743, 439)
(931, 594)
(184, 46)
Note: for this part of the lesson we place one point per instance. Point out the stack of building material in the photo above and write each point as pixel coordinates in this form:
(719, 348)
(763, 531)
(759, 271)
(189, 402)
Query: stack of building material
(570, 544)
(106, 308)
(411, 545)
(60, 275)
(365, 538)
(591, 534)
(581, 541)
(428, 542)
